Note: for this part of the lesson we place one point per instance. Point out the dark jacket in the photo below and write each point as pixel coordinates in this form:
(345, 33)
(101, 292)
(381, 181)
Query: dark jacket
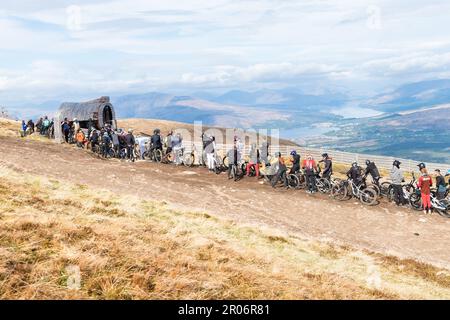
(129, 139)
(94, 137)
(106, 140)
(372, 170)
(65, 127)
(156, 141)
(354, 173)
(440, 182)
(328, 170)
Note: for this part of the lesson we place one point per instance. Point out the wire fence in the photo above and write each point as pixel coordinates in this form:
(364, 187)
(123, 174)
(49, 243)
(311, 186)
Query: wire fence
(382, 162)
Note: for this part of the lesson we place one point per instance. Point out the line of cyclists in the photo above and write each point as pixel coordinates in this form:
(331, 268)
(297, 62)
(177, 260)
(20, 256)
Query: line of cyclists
(291, 172)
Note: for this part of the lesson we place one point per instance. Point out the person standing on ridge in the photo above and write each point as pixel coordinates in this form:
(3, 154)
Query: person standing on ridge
(425, 183)
(440, 185)
(397, 180)
(310, 167)
(295, 162)
(328, 170)
(372, 169)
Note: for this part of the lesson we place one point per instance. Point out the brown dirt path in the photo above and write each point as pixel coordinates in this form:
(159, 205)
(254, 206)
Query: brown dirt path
(384, 228)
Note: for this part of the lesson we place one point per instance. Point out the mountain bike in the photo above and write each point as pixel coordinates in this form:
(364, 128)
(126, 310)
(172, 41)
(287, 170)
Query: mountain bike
(441, 206)
(297, 180)
(366, 195)
(110, 154)
(408, 189)
(339, 190)
(236, 172)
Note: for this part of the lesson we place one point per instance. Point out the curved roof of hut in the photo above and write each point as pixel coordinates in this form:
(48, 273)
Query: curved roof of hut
(84, 110)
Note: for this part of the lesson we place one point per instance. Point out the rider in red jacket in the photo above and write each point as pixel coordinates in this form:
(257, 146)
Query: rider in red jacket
(425, 183)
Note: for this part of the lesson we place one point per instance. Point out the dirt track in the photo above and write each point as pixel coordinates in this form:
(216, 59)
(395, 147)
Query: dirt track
(384, 228)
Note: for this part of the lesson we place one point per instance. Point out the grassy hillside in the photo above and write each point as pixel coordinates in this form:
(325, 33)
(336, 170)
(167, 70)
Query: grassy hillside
(147, 126)
(60, 240)
(9, 128)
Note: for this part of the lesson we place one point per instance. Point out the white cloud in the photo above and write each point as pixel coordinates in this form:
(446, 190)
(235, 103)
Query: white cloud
(66, 46)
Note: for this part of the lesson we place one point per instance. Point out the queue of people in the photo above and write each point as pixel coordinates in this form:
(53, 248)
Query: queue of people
(109, 142)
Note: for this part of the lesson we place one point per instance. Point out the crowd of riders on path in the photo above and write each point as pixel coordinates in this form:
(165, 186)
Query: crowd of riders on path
(292, 172)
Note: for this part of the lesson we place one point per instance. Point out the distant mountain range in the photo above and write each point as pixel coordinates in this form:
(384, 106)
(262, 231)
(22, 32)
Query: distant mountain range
(408, 117)
(413, 96)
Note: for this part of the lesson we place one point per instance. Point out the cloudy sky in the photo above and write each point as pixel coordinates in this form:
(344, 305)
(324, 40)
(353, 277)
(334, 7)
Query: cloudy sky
(81, 49)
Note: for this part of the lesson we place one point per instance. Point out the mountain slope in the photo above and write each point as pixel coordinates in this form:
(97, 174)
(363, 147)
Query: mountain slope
(421, 134)
(189, 109)
(413, 96)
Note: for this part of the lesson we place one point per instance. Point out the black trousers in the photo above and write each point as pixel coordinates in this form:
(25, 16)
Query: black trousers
(130, 152)
(295, 168)
(311, 181)
(399, 196)
(281, 175)
(66, 136)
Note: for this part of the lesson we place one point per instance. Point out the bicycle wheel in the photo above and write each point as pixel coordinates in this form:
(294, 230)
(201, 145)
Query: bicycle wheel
(368, 196)
(390, 194)
(444, 210)
(157, 155)
(385, 188)
(415, 201)
(188, 160)
(301, 181)
(111, 153)
(376, 188)
(323, 185)
(339, 191)
(226, 162)
(293, 181)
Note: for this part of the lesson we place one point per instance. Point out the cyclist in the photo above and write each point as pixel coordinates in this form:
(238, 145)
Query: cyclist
(24, 128)
(106, 140)
(328, 170)
(233, 160)
(176, 145)
(397, 180)
(66, 130)
(210, 151)
(440, 185)
(80, 138)
(76, 126)
(93, 139)
(253, 160)
(372, 169)
(115, 141)
(310, 167)
(45, 125)
(295, 162)
(39, 125)
(156, 142)
(130, 141)
(425, 183)
(281, 172)
(30, 126)
(355, 173)
(168, 142)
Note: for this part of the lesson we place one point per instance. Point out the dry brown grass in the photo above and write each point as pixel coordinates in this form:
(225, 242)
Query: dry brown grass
(9, 128)
(128, 248)
(146, 126)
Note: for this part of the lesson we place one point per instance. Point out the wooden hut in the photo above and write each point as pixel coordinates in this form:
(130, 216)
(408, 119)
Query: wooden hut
(98, 112)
